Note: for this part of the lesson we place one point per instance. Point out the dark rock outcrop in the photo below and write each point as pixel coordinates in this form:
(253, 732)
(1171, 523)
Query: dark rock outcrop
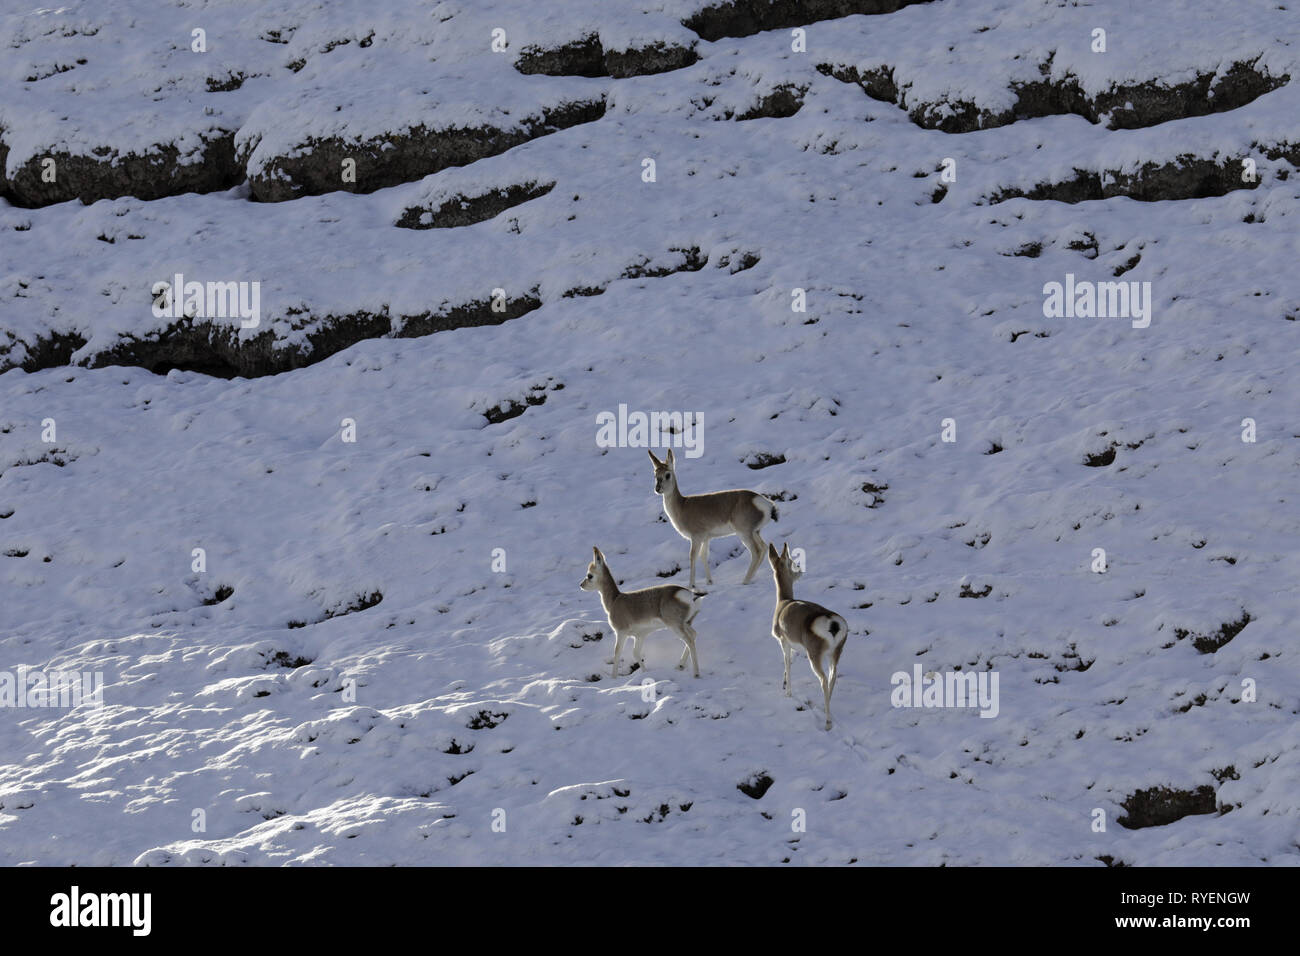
(586, 56)
(465, 210)
(1161, 805)
(1123, 106)
(404, 156)
(217, 349)
(1187, 177)
(107, 174)
(742, 18)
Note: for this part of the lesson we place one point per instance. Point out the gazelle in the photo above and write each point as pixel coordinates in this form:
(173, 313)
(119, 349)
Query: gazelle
(818, 631)
(700, 518)
(636, 614)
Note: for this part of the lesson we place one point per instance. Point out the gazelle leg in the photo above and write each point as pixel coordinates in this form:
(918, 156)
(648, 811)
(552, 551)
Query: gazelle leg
(688, 635)
(708, 572)
(638, 649)
(814, 661)
(787, 650)
(619, 638)
(756, 551)
(695, 546)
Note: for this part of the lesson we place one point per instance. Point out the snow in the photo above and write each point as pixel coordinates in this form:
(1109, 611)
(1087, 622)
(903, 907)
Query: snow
(374, 752)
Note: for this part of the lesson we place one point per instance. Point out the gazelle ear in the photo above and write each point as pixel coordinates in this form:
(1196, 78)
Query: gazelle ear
(670, 459)
(785, 551)
(653, 458)
(600, 558)
(772, 556)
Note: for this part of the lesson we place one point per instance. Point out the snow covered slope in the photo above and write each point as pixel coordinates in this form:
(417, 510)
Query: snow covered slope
(387, 659)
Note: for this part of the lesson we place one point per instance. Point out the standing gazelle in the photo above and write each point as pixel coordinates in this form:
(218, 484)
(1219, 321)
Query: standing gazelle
(636, 614)
(700, 518)
(818, 631)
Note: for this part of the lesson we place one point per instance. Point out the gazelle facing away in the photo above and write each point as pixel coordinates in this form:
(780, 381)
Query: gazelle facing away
(818, 631)
(700, 518)
(636, 614)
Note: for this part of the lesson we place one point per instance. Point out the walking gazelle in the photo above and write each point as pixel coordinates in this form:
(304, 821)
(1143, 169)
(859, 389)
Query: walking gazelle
(818, 630)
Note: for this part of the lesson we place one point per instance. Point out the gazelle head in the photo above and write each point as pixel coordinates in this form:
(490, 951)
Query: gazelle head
(594, 571)
(783, 568)
(665, 472)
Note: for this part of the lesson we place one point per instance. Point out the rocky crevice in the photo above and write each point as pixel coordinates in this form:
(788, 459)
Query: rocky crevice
(47, 351)
(1187, 177)
(403, 157)
(742, 18)
(219, 350)
(107, 174)
(467, 209)
(586, 56)
(1123, 106)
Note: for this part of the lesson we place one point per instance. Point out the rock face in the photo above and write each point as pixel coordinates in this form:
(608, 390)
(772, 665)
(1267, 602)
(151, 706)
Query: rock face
(159, 172)
(465, 210)
(1190, 177)
(742, 18)
(218, 349)
(1161, 805)
(586, 56)
(403, 156)
(783, 101)
(1123, 106)
(49, 351)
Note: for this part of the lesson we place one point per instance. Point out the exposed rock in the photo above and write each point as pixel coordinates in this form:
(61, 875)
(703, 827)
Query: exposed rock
(509, 408)
(468, 314)
(1123, 106)
(763, 459)
(693, 261)
(782, 101)
(1100, 459)
(581, 57)
(586, 56)
(1187, 177)
(45, 352)
(1160, 805)
(217, 349)
(153, 174)
(1209, 643)
(742, 18)
(658, 57)
(226, 84)
(878, 82)
(756, 784)
(405, 156)
(465, 210)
